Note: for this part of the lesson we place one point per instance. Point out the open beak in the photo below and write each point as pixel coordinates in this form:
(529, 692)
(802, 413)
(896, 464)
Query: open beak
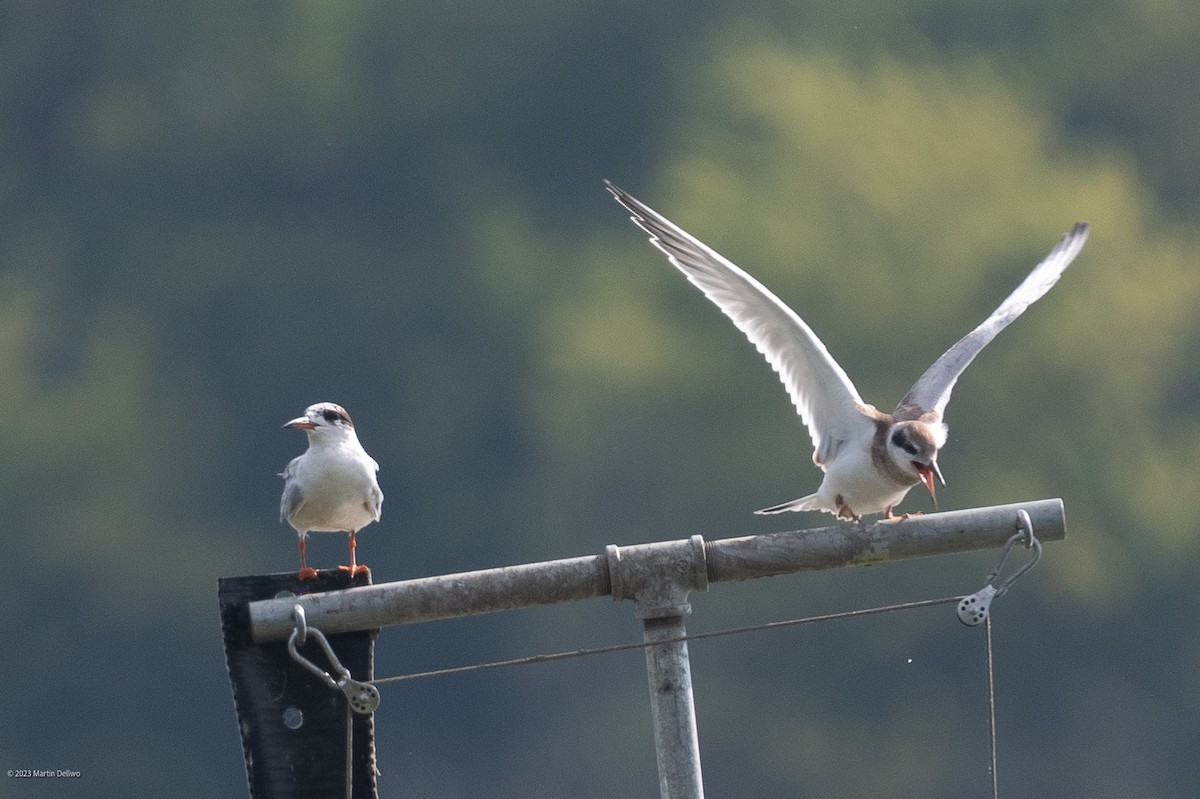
(301, 424)
(927, 472)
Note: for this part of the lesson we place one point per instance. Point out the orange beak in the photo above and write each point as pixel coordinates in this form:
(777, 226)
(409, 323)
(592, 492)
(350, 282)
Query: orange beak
(301, 424)
(926, 472)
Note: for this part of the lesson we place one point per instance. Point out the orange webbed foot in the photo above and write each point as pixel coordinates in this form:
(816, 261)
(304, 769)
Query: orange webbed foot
(888, 516)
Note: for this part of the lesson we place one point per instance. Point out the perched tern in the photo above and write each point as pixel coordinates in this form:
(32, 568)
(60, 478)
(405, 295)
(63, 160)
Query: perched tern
(331, 488)
(870, 458)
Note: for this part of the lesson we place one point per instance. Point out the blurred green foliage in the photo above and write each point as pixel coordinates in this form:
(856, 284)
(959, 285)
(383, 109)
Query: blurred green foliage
(216, 214)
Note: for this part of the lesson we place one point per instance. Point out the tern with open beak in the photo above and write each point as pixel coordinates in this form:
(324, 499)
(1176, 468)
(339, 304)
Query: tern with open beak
(332, 487)
(870, 458)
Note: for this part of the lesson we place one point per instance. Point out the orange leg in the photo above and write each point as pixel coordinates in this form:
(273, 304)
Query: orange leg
(888, 516)
(305, 572)
(353, 568)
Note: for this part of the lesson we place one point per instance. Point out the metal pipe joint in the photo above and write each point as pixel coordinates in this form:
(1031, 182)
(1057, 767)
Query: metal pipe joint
(658, 577)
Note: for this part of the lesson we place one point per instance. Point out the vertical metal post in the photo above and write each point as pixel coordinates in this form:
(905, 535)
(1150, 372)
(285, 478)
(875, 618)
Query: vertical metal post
(658, 578)
(673, 709)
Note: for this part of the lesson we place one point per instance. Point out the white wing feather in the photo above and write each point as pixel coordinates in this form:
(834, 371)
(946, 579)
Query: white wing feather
(932, 390)
(827, 401)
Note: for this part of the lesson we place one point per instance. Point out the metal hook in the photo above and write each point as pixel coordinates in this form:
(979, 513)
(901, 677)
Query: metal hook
(301, 628)
(973, 609)
(1025, 525)
(363, 697)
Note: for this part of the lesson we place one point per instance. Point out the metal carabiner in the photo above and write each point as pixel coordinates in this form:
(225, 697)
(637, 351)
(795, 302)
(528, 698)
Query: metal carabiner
(973, 610)
(363, 697)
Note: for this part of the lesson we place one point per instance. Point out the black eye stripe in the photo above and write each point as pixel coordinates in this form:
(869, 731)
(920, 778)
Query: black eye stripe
(331, 416)
(900, 439)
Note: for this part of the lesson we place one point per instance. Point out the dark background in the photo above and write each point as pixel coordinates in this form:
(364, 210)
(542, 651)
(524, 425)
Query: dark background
(214, 214)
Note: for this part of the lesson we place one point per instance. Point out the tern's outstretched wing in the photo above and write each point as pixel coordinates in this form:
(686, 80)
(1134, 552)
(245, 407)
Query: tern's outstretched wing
(932, 390)
(826, 399)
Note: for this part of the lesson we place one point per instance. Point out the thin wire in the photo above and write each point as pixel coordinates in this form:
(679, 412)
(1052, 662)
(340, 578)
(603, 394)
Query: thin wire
(349, 752)
(992, 708)
(774, 625)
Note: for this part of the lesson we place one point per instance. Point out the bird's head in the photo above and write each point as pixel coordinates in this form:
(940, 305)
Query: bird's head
(321, 419)
(914, 446)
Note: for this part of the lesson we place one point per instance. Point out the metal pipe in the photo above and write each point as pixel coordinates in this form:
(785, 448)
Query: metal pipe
(673, 709)
(446, 596)
(509, 587)
(865, 544)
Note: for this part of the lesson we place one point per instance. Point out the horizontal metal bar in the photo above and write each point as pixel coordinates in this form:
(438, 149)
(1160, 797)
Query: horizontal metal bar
(861, 545)
(446, 596)
(509, 587)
